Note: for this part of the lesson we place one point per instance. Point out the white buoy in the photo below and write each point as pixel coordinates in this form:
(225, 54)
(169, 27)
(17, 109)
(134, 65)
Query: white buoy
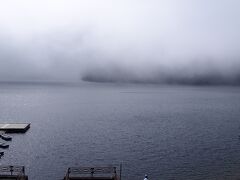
(146, 177)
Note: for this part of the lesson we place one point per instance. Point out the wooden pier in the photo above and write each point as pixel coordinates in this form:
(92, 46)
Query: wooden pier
(12, 173)
(93, 173)
(14, 127)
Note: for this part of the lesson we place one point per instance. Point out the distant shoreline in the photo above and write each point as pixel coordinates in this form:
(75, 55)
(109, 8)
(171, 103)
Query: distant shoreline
(102, 80)
(196, 81)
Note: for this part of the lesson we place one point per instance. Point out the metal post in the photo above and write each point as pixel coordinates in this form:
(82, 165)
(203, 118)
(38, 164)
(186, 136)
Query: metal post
(120, 171)
(68, 172)
(11, 170)
(92, 171)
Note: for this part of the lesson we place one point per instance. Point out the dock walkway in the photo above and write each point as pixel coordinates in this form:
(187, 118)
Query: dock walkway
(14, 127)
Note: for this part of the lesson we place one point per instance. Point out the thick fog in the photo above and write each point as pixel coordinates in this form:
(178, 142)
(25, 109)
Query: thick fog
(154, 41)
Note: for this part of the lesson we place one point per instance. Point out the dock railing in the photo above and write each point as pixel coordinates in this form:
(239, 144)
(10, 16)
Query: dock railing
(17, 172)
(107, 172)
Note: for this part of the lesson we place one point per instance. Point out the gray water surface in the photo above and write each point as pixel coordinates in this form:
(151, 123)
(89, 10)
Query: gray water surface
(168, 132)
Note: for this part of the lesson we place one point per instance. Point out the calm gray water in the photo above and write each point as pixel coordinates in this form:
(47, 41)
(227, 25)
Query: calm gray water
(168, 132)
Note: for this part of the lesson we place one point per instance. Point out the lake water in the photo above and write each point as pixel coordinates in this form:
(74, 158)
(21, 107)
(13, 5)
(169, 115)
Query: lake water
(168, 132)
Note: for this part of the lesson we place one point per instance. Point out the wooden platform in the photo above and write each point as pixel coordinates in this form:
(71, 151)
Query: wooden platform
(12, 173)
(73, 173)
(14, 127)
(92, 173)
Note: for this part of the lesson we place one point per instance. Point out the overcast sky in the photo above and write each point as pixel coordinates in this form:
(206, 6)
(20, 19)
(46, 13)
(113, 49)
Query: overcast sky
(127, 40)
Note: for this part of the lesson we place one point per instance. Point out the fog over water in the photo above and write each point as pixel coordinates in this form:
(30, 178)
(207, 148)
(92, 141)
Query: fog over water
(189, 42)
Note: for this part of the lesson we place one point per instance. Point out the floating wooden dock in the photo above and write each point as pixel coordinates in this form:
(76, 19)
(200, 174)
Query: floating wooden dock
(92, 173)
(13, 173)
(14, 127)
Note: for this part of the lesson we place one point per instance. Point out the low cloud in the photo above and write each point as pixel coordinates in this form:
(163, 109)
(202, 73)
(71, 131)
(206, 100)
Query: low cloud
(140, 42)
